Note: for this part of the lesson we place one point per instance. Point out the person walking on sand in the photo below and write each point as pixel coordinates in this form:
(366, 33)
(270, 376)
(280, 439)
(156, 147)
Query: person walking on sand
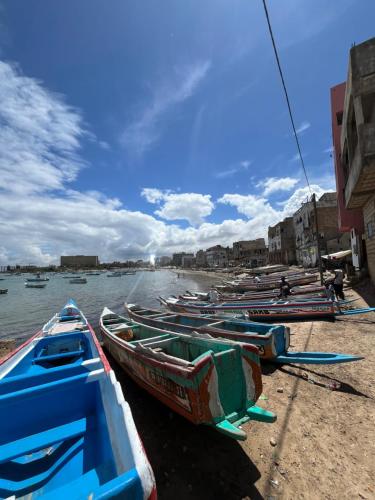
(338, 283)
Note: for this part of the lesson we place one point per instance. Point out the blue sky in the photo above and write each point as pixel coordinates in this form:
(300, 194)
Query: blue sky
(150, 127)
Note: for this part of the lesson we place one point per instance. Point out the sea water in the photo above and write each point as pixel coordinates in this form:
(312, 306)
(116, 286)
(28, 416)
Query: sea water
(24, 310)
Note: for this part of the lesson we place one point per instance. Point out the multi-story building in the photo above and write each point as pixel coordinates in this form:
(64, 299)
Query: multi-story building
(217, 256)
(78, 261)
(200, 258)
(358, 141)
(163, 261)
(349, 221)
(188, 260)
(305, 229)
(177, 258)
(252, 253)
(282, 243)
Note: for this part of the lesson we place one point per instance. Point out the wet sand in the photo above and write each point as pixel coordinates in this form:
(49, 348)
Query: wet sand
(324, 438)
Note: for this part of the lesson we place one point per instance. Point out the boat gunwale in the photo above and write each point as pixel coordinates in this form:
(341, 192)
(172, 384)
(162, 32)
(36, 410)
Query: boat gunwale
(216, 332)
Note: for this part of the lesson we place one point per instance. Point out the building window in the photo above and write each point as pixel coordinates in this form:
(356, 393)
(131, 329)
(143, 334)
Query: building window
(370, 229)
(339, 118)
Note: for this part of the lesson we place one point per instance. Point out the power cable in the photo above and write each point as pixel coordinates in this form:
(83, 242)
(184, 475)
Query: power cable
(286, 94)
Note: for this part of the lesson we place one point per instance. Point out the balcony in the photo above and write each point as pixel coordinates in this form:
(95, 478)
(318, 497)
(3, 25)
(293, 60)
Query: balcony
(361, 179)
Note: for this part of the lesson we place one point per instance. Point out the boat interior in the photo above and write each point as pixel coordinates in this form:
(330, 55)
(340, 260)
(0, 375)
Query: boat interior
(188, 348)
(65, 445)
(187, 351)
(234, 325)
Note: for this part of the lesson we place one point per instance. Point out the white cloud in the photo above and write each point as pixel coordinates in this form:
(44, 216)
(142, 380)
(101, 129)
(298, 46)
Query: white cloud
(304, 126)
(39, 135)
(330, 149)
(41, 217)
(234, 169)
(274, 184)
(145, 129)
(193, 207)
(301, 195)
(152, 195)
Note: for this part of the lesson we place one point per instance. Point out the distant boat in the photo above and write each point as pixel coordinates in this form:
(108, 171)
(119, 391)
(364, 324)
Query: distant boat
(67, 431)
(78, 281)
(35, 285)
(92, 274)
(114, 275)
(128, 273)
(3, 291)
(70, 277)
(38, 278)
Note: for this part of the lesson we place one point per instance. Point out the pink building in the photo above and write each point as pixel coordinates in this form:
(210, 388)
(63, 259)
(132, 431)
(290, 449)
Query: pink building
(350, 220)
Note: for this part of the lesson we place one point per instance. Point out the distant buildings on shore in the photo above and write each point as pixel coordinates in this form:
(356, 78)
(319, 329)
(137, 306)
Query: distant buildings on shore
(79, 261)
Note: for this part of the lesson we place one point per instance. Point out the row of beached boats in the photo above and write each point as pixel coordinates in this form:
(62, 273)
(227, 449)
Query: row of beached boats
(290, 309)
(79, 439)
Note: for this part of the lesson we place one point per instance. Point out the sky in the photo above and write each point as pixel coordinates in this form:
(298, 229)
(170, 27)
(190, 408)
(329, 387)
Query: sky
(137, 128)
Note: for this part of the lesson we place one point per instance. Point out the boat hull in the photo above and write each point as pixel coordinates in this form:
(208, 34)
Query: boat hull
(79, 439)
(202, 390)
(259, 312)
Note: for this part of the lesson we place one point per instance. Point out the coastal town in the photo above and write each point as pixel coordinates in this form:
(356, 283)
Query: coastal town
(226, 363)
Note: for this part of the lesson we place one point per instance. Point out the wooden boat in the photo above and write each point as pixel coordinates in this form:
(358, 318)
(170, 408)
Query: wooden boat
(297, 292)
(66, 430)
(271, 340)
(267, 284)
(37, 280)
(284, 310)
(78, 281)
(208, 381)
(35, 285)
(3, 291)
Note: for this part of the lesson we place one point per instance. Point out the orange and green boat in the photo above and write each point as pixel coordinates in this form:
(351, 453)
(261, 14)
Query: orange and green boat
(209, 381)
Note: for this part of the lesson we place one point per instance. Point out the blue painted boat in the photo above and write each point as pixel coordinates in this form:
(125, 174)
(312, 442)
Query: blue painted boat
(271, 340)
(66, 430)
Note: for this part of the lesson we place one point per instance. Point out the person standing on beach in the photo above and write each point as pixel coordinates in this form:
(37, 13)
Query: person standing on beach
(338, 283)
(213, 296)
(285, 288)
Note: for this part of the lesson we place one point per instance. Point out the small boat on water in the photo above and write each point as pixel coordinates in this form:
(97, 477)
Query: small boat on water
(114, 275)
(128, 273)
(208, 381)
(66, 430)
(271, 340)
(78, 281)
(3, 291)
(37, 279)
(35, 285)
(70, 277)
(92, 274)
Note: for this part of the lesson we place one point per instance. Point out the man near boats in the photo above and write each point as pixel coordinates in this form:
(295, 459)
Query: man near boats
(338, 283)
(213, 296)
(285, 288)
